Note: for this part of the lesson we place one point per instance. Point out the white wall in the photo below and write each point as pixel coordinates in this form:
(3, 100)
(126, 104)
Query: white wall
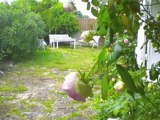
(151, 56)
(140, 49)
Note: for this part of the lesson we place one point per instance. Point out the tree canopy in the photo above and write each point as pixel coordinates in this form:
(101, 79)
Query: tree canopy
(55, 17)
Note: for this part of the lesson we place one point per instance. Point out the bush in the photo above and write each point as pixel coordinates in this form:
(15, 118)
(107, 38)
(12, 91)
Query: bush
(20, 32)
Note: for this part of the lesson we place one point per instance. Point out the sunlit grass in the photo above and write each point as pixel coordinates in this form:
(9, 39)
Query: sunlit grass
(65, 58)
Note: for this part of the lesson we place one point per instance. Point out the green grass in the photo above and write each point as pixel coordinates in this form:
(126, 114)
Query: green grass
(17, 112)
(10, 88)
(65, 58)
(72, 115)
(6, 98)
(48, 104)
(7, 91)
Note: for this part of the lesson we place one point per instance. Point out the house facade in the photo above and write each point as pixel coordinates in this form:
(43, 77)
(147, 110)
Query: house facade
(146, 54)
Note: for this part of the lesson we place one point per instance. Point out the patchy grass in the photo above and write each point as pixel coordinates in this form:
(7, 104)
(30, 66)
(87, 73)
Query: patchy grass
(10, 88)
(17, 112)
(7, 90)
(69, 117)
(39, 68)
(48, 104)
(6, 98)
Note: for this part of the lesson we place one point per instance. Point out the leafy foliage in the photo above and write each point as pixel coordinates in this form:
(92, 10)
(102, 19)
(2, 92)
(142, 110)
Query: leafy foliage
(119, 21)
(24, 22)
(57, 20)
(19, 35)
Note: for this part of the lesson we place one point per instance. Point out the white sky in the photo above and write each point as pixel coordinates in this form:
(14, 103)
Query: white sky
(81, 6)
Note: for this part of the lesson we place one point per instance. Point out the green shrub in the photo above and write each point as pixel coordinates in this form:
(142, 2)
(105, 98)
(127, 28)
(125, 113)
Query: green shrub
(20, 31)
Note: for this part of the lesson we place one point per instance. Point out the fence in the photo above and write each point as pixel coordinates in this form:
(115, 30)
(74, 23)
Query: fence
(87, 23)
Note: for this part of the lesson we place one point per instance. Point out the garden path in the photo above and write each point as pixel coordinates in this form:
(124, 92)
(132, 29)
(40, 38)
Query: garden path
(43, 99)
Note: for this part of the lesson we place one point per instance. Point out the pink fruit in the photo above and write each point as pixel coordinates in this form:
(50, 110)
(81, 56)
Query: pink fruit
(125, 41)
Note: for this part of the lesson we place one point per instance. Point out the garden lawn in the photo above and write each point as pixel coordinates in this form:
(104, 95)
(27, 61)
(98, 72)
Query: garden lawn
(32, 89)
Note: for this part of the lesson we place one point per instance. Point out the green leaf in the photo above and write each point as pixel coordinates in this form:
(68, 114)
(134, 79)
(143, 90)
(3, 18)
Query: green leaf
(94, 11)
(126, 77)
(102, 30)
(134, 7)
(105, 87)
(117, 51)
(113, 57)
(101, 20)
(153, 73)
(88, 5)
(125, 20)
(108, 43)
(117, 48)
(110, 35)
(85, 0)
(117, 109)
(102, 57)
(107, 17)
(128, 80)
(139, 86)
(116, 25)
(95, 2)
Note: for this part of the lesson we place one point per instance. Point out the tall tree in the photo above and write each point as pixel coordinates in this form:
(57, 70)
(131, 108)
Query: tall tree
(56, 18)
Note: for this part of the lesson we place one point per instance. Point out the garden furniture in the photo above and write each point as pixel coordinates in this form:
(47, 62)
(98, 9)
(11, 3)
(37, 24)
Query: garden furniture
(54, 39)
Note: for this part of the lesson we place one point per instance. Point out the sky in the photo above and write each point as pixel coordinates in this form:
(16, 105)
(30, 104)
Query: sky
(81, 6)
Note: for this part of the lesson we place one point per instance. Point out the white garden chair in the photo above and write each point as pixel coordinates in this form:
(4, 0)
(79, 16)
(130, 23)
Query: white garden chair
(95, 41)
(42, 44)
(82, 41)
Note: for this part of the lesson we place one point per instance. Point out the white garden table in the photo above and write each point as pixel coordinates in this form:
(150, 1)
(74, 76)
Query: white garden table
(54, 39)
